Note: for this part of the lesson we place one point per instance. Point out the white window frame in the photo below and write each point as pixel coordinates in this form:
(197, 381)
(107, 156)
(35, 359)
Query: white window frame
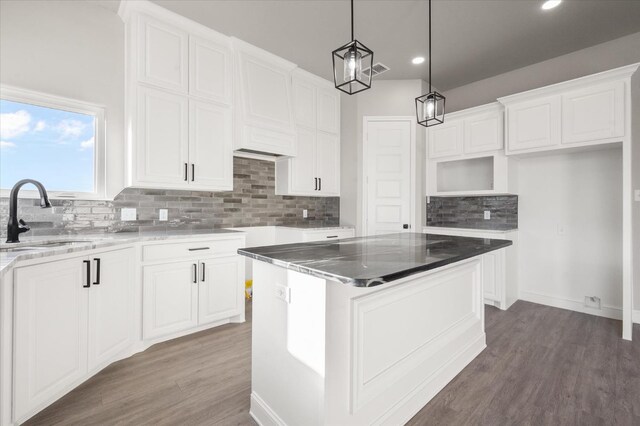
(15, 94)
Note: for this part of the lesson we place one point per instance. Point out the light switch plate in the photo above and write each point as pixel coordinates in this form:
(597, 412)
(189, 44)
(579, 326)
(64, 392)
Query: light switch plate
(487, 214)
(163, 215)
(128, 213)
(305, 214)
(283, 293)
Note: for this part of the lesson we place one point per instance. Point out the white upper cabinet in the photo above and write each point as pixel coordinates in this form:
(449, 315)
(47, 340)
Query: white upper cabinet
(483, 133)
(163, 54)
(328, 105)
(534, 124)
(210, 70)
(445, 140)
(595, 112)
(577, 113)
(265, 115)
(315, 170)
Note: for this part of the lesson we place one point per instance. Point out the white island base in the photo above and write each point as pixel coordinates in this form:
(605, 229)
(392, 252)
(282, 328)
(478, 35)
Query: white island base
(328, 353)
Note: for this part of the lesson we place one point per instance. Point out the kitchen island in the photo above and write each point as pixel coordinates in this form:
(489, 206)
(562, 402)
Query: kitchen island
(363, 330)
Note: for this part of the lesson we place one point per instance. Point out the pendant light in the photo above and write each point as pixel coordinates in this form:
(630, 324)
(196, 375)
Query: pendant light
(352, 65)
(430, 107)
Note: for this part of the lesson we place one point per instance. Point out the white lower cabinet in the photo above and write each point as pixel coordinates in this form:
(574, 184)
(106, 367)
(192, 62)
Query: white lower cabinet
(69, 319)
(218, 297)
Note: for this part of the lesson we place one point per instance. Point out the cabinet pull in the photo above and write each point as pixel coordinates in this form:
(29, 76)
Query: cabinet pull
(203, 266)
(319, 184)
(316, 188)
(88, 281)
(332, 236)
(186, 172)
(97, 281)
(193, 172)
(199, 248)
(195, 273)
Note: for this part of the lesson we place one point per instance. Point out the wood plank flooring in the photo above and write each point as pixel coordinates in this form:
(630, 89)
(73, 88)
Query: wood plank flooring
(542, 366)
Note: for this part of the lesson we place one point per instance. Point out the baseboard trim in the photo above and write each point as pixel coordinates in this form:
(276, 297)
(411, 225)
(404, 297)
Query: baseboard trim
(570, 304)
(636, 316)
(262, 413)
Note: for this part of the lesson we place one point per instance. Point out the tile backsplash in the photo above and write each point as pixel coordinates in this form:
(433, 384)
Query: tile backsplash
(251, 203)
(468, 212)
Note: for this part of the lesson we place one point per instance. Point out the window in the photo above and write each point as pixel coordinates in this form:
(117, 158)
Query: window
(57, 141)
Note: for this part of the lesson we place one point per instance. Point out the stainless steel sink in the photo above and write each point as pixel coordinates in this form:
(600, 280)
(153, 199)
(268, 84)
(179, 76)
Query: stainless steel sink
(40, 246)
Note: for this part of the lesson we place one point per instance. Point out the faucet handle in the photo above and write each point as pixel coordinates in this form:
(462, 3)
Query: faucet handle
(22, 226)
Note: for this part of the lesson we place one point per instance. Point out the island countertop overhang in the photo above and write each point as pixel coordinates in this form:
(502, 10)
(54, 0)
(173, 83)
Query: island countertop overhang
(374, 260)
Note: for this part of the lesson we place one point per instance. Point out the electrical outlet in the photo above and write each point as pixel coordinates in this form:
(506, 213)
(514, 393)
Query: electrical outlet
(283, 293)
(127, 214)
(637, 194)
(487, 214)
(592, 302)
(305, 214)
(163, 215)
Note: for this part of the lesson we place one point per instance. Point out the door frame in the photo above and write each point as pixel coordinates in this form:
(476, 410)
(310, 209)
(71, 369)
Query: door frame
(413, 151)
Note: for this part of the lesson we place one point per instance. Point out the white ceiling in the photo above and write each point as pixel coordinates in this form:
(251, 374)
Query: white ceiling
(472, 39)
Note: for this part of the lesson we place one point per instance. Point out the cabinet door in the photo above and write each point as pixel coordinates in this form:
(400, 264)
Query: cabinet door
(593, 113)
(210, 146)
(162, 146)
(221, 288)
(170, 298)
(445, 140)
(493, 275)
(483, 133)
(210, 70)
(163, 55)
(50, 333)
(328, 163)
(534, 125)
(304, 102)
(111, 322)
(303, 165)
(328, 111)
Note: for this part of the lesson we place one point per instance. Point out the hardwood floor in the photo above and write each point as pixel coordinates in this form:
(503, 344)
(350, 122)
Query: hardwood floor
(542, 366)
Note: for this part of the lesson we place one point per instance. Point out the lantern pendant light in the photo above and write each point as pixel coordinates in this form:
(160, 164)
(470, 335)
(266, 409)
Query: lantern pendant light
(430, 107)
(352, 65)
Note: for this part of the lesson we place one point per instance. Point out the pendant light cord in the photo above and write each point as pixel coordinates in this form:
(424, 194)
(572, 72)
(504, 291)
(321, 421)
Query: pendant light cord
(429, 45)
(352, 38)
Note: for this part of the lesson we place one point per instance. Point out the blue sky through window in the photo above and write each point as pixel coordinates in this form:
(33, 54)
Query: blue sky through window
(53, 146)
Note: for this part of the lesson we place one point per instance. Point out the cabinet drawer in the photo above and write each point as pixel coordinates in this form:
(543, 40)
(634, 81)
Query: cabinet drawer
(334, 234)
(172, 251)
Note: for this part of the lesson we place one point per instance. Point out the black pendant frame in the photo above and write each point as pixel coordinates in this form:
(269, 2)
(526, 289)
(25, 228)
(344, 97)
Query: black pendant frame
(353, 85)
(438, 109)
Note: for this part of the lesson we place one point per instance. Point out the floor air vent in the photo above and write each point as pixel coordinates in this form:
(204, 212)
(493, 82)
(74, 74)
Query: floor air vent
(378, 68)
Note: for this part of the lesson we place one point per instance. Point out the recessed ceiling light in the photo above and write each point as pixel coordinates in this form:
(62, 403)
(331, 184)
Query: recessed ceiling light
(550, 4)
(417, 60)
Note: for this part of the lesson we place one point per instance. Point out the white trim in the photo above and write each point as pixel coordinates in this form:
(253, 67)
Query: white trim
(415, 222)
(46, 100)
(636, 316)
(262, 413)
(570, 304)
(256, 156)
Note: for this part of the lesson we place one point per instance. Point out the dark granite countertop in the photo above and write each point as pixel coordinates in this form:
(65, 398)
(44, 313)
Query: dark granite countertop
(375, 260)
(476, 226)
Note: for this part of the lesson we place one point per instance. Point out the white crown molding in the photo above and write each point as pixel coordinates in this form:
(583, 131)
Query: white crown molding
(624, 72)
(492, 107)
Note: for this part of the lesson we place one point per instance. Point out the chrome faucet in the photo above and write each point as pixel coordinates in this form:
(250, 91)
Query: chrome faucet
(16, 227)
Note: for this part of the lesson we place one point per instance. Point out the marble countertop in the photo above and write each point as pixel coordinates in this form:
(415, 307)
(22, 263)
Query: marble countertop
(375, 260)
(82, 242)
(315, 227)
(487, 230)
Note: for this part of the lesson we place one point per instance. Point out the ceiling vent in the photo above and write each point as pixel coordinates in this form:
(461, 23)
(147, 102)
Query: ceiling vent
(378, 68)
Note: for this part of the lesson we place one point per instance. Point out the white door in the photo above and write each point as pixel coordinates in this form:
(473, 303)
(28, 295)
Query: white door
(483, 133)
(163, 55)
(445, 140)
(50, 332)
(162, 148)
(210, 70)
(593, 113)
(210, 146)
(328, 110)
(221, 288)
(328, 163)
(388, 176)
(111, 322)
(170, 298)
(533, 125)
(303, 169)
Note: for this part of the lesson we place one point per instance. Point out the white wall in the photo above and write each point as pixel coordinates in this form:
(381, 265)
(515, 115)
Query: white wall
(580, 193)
(73, 49)
(635, 179)
(385, 98)
(601, 57)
